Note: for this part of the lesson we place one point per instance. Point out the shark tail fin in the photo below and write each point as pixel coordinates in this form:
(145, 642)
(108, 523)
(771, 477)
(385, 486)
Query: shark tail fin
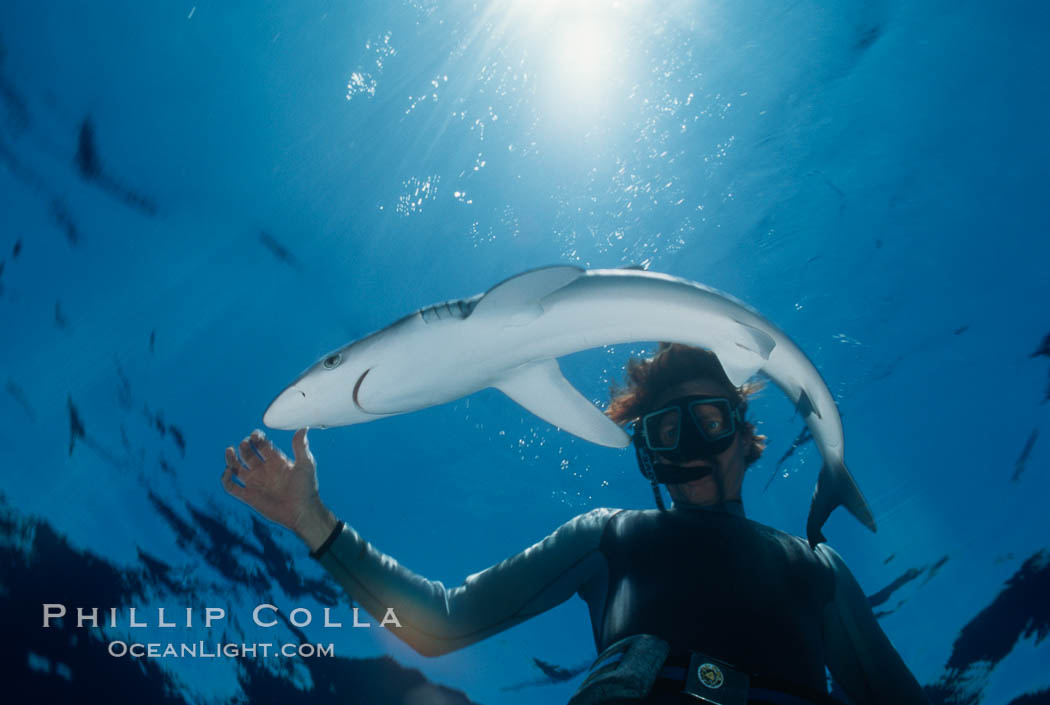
(835, 487)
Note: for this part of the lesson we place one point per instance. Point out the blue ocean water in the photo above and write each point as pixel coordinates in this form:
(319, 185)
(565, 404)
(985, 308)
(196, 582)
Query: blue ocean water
(198, 200)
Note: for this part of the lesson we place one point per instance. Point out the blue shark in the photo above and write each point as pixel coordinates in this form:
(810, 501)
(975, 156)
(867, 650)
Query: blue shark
(511, 337)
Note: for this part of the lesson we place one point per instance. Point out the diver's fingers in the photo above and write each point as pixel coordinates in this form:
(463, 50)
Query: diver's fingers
(249, 456)
(301, 446)
(266, 447)
(230, 486)
(233, 462)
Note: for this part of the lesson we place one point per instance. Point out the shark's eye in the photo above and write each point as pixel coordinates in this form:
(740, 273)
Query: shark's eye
(332, 361)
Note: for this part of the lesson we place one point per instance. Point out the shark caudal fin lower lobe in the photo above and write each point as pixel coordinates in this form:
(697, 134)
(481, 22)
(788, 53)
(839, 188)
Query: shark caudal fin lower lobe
(835, 487)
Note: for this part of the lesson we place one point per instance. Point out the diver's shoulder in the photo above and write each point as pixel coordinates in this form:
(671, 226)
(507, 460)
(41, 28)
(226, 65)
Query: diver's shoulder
(593, 520)
(584, 531)
(795, 541)
(831, 558)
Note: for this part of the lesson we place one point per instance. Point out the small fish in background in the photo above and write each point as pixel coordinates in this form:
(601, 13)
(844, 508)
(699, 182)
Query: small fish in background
(556, 673)
(148, 414)
(152, 340)
(1043, 349)
(156, 420)
(1022, 459)
(86, 158)
(882, 596)
(277, 249)
(889, 558)
(961, 330)
(123, 387)
(76, 426)
(124, 440)
(932, 571)
(178, 437)
(800, 440)
(89, 165)
(866, 37)
(158, 571)
(17, 249)
(19, 395)
(60, 214)
(166, 467)
(61, 322)
(928, 571)
(552, 673)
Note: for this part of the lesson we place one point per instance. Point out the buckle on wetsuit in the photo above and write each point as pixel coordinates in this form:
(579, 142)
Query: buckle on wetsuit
(710, 680)
(626, 670)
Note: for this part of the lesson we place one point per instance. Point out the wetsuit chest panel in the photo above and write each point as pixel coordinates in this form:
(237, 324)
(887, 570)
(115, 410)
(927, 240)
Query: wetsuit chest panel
(720, 584)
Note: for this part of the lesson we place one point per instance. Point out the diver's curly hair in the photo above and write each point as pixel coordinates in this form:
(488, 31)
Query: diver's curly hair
(672, 364)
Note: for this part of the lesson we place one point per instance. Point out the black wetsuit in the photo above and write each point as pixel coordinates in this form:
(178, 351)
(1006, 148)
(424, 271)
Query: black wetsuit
(706, 580)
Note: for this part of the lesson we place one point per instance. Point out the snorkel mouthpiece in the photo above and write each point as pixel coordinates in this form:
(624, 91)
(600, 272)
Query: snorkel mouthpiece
(660, 473)
(675, 474)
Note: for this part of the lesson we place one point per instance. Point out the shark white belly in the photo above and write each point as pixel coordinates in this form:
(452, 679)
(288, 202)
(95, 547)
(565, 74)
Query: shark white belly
(510, 338)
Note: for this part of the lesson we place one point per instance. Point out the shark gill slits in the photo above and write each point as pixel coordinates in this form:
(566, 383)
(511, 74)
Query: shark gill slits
(332, 361)
(357, 388)
(459, 308)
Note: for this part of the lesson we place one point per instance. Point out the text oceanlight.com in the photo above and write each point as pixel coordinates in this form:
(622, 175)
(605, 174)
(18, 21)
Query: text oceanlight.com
(202, 649)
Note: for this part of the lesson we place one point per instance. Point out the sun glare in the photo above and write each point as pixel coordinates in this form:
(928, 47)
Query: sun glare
(579, 51)
(585, 50)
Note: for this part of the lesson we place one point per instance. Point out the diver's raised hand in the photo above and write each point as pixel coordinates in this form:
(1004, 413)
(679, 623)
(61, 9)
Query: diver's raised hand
(281, 490)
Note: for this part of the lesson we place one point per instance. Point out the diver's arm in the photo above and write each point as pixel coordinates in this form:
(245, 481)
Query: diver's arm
(860, 656)
(435, 620)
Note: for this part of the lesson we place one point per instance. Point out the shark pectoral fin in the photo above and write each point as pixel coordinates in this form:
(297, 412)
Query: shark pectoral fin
(747, 349)
(755, 340)
(541, 388)
(835, 487)
(518, 299)
(740, 366)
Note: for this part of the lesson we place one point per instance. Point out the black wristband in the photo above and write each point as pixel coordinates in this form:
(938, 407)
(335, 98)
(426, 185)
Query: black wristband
(328, 541)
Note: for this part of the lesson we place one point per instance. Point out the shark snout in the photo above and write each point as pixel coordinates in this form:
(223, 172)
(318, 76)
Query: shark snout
(287, 412)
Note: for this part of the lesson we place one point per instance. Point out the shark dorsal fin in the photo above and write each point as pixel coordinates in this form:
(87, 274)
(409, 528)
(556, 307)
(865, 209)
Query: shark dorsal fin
(519, 297)
(541, 388)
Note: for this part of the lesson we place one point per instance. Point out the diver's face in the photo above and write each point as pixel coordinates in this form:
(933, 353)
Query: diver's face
(729, 465)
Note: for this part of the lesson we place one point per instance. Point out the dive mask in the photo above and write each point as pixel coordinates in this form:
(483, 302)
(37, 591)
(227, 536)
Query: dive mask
(689, 427)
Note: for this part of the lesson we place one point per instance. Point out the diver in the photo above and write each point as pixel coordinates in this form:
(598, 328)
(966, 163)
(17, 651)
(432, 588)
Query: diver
(692, 603)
